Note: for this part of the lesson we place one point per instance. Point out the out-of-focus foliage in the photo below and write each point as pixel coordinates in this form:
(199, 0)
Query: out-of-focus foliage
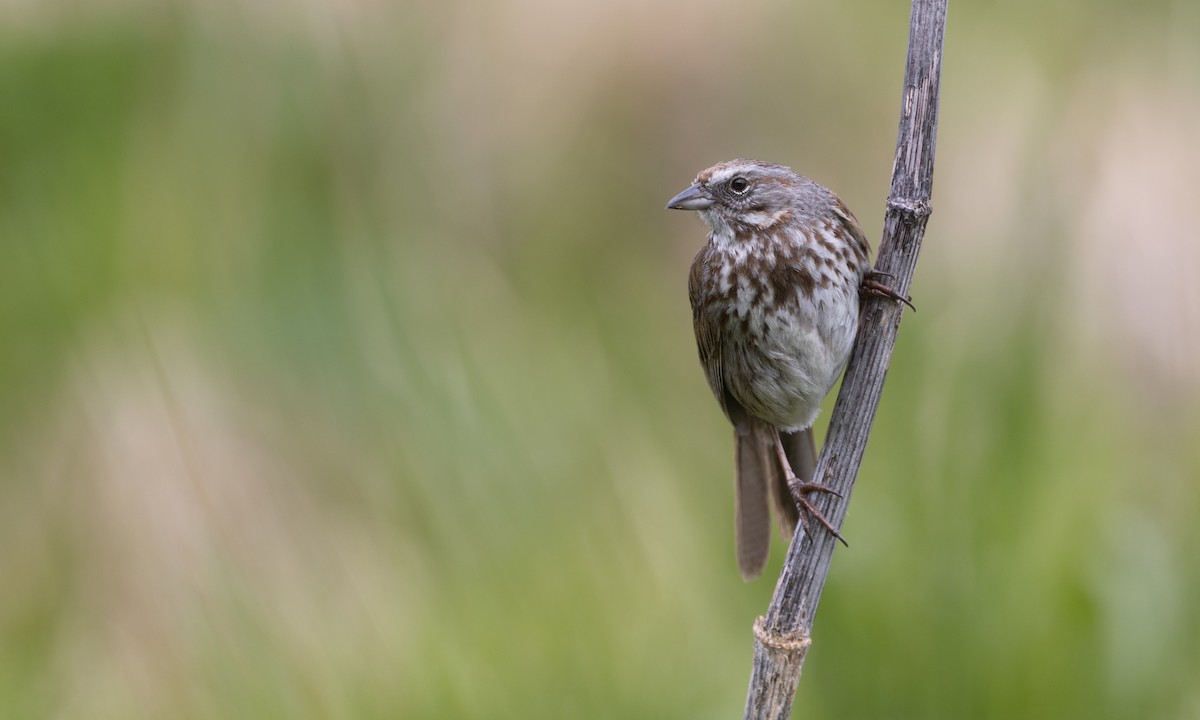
(346, 369)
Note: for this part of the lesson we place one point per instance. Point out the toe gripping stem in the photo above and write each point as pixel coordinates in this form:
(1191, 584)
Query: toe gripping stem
(873, 284)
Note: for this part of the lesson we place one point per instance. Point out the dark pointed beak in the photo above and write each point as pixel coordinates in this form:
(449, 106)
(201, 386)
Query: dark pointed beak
(694, 198)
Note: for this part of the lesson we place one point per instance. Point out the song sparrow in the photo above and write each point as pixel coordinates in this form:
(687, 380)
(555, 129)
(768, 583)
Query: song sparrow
(774, 297)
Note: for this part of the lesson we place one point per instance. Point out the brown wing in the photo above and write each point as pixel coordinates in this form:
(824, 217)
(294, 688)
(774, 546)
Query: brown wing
(861, 246)
(756, 470)
(708, 336)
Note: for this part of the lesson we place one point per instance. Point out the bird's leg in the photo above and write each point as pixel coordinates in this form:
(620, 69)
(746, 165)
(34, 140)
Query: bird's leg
(872, 285)
(800, 489)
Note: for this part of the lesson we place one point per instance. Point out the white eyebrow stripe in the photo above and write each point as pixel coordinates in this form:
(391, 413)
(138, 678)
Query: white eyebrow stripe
(727, 173)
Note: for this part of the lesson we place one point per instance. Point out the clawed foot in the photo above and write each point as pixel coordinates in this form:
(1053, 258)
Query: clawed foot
(807, 509)
(800, 490)
(871, 284)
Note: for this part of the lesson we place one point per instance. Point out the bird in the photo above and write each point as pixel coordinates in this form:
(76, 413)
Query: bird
(775, 302)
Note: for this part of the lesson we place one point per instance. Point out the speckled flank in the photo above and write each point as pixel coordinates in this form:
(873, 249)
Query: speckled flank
(781, 283)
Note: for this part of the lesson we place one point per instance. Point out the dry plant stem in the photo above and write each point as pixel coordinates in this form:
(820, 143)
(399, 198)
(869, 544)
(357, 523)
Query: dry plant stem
(782, 638)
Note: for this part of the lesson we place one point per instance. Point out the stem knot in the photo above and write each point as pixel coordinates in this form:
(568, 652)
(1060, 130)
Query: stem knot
(792, 643)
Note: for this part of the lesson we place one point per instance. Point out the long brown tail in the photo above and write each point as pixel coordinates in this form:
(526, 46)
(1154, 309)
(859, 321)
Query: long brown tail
(756, 471)
(760, 477)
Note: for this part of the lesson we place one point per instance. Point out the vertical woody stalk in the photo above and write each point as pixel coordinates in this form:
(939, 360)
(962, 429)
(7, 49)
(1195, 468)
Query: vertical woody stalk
(782, 637)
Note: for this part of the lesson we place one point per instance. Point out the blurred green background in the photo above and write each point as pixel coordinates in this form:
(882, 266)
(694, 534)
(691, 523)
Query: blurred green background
(346, 367)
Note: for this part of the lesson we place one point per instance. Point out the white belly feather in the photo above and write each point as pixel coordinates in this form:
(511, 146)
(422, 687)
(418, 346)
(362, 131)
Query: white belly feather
(795, 358)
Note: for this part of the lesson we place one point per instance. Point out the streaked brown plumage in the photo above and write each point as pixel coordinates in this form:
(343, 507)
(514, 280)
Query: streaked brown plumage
(775, 295)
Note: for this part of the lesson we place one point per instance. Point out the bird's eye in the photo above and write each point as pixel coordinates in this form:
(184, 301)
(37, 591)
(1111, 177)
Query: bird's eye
(739, 185)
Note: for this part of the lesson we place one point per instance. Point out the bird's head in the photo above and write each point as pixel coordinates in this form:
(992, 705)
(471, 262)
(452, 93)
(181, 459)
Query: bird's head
(754, 194)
